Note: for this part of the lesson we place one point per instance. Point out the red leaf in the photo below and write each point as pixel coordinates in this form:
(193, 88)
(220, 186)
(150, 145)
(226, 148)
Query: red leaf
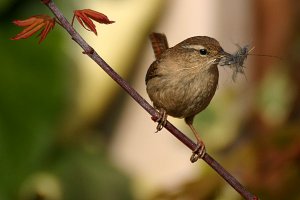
(84, 18)
(33, 25)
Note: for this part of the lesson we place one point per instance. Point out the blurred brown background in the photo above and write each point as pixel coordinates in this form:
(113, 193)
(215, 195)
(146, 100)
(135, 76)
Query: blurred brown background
(67, 131)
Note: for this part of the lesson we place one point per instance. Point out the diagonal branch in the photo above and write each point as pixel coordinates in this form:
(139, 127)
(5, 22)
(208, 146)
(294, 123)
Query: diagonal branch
(140, 100)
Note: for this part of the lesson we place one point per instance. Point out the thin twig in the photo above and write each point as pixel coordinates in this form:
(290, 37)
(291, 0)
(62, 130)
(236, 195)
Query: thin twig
(140, 100)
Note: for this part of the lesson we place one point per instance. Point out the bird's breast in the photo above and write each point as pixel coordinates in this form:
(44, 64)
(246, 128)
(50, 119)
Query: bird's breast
(184, 93)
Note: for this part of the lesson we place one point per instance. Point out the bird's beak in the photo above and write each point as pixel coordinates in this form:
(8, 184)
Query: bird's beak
(224, 57)
(224, 54)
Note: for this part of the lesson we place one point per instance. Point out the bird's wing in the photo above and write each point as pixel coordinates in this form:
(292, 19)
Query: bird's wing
(152, 72)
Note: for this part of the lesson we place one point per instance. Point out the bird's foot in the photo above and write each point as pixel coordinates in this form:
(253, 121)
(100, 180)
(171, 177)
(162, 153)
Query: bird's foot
(198, 152)
(162, 120)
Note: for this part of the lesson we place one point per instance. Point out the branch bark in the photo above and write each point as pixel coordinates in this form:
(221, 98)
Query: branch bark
(88, 50)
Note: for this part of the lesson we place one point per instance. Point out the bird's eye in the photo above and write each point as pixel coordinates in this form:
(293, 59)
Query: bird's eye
(203, 52)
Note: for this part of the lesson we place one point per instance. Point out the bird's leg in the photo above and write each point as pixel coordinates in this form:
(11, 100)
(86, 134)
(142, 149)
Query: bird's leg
(200, 150)
(162, 120)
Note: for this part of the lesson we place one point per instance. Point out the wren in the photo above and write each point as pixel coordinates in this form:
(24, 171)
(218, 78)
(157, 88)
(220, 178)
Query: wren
(183, 79)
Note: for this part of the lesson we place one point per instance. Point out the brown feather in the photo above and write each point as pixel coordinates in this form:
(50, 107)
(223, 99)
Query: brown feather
(159, 43)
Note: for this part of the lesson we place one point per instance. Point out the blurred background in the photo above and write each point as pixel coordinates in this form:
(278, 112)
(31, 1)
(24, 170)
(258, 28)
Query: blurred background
(68, 132)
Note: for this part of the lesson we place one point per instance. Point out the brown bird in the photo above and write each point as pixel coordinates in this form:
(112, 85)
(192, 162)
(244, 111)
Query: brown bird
(183, 79)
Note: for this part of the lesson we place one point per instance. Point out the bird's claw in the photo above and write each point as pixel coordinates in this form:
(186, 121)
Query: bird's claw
(198, 152)
(162, 120)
